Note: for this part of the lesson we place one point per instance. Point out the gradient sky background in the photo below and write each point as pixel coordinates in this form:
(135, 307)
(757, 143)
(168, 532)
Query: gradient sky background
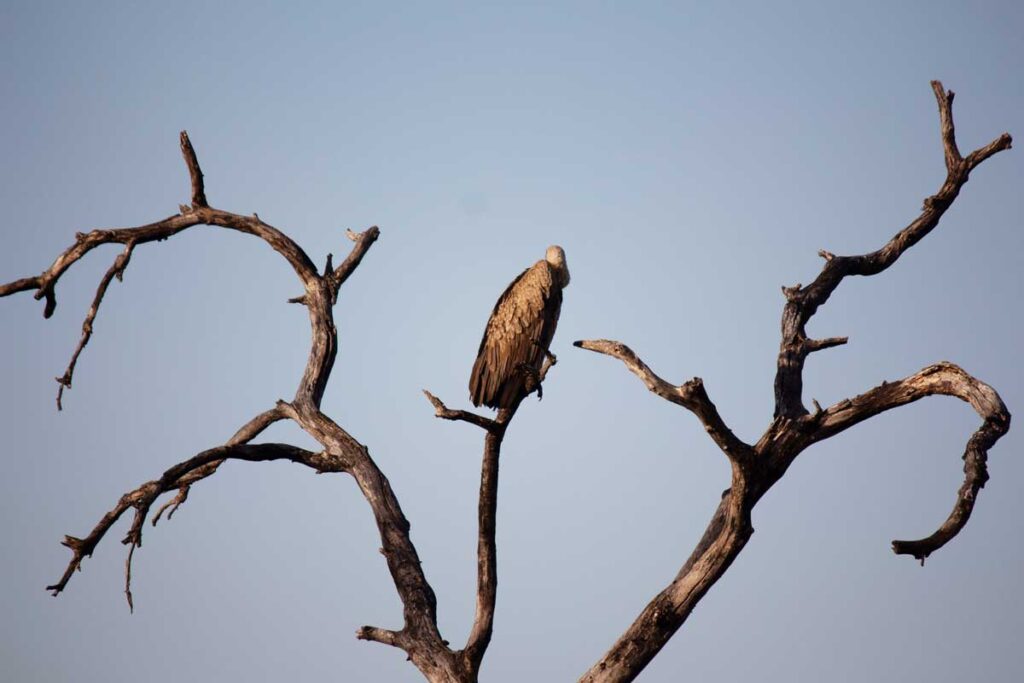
(690, 158)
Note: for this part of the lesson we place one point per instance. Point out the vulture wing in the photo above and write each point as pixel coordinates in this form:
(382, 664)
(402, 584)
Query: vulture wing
(518, 333)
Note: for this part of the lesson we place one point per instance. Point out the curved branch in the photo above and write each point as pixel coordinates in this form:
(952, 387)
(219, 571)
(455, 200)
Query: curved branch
(199, 213)
(794, 429)
(342, 452)
(940, 379)
(249, 431)
(690, 395)
(141, 498)
(803, 302)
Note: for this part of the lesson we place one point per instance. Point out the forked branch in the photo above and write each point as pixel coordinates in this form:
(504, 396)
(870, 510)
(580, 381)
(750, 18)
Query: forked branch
(472, 654)
(803, 302)
(142, 498)
(793, 429)
(341, 452)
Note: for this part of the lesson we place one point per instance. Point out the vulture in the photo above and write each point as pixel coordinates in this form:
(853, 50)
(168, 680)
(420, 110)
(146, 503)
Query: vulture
(519, 332)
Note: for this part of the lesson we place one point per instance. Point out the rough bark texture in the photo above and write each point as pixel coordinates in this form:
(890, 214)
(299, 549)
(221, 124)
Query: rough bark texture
(755, 468)
(418, 636)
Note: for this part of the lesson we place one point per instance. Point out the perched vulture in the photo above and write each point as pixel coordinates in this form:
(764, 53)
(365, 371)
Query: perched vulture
(519, 332)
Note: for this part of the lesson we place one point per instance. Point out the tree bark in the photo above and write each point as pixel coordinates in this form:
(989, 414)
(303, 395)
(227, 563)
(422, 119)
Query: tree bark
(755, 468)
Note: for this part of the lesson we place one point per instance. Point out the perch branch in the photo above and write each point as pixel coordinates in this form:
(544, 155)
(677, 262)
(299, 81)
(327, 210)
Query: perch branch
(442, 411)
(487, 514)
(487, 552)
(486, 545)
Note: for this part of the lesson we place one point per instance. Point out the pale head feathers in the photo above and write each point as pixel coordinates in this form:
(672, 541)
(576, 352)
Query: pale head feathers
(556, 257)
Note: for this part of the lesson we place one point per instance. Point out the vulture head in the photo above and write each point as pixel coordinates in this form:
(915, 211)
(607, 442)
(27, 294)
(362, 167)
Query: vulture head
(556, 257)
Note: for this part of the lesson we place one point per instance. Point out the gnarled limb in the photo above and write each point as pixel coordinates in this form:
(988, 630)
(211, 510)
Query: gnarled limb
(341, 452)
(249, 431)
(691, 395)
(939, 379)
(803, 302)
(142, 498)
(793, 429)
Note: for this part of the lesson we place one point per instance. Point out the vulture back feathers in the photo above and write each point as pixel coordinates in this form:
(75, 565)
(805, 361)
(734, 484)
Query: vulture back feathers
(519, 332)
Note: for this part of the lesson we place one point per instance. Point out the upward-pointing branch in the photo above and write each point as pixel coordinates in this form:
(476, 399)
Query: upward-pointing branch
(803, 302)
(793, 429)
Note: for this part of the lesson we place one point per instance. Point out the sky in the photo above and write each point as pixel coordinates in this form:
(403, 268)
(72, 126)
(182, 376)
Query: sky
(691, 158)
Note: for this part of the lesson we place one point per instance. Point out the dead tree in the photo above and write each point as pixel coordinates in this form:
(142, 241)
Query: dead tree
(419, 636)
(755, 468)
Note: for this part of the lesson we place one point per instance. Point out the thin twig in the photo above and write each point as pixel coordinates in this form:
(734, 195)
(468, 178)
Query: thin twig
(115, 270)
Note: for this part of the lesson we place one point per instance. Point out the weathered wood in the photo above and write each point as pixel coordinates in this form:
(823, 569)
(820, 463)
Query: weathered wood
(756, 469)
(419, 636)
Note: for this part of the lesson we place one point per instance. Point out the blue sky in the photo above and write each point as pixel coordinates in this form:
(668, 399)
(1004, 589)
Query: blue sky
(690, 158)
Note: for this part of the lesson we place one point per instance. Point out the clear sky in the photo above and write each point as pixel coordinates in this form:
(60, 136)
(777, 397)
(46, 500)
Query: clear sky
(691, 158)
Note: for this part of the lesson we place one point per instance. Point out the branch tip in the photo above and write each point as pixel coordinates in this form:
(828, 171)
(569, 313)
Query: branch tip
(378, 635)
(442, 411)
(194, 172)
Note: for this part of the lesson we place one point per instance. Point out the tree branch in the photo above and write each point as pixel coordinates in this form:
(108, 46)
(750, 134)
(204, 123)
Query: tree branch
(198, 213)
(793, 429)
(194, 172)
(803, 302)
(486, 545)
(141, 498)
(342, 452)
(690, 395)
(487, 512)
(363, 241)
(249, 431)
(442, 411)
(379, 635)
(115, 270)
(939, 379)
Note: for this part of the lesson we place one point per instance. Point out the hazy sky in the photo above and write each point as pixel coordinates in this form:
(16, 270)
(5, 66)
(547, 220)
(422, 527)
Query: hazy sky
(691, 158)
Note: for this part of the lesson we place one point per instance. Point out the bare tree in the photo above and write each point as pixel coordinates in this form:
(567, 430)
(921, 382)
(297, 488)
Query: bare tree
(755, 468)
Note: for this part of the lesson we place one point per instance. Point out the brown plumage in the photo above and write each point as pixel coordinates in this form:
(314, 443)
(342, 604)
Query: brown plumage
(519, 333)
